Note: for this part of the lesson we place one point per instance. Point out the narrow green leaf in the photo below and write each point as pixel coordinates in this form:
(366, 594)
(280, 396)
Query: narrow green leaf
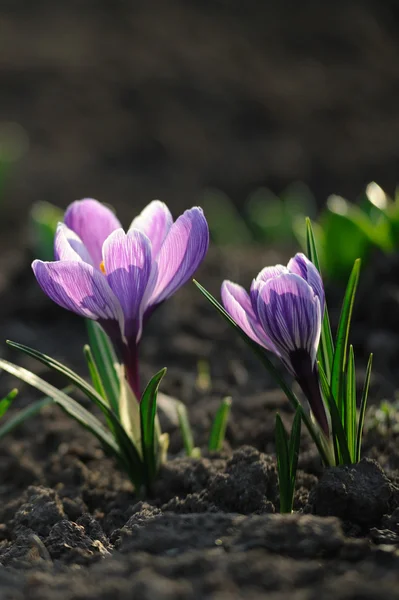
(185, 428)
(261, 354)
(350, 405)
(293, 448)
(362, 411)
(219, 425)
(338, 432)
(148, 411)
(6, 402)
(132, 458)
(283, 466)
(105, 359)
(26, 413)
(341, 345)
(94, 373)
(73, 408)
(326, 348)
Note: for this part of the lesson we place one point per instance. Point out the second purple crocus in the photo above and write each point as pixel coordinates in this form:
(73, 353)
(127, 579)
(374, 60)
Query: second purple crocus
(117, 278)
(283, 312)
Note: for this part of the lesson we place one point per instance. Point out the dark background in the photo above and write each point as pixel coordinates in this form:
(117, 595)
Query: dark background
(127, 101)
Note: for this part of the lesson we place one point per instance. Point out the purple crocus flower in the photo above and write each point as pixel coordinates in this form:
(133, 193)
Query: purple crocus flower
(117, 278)
(283, 313)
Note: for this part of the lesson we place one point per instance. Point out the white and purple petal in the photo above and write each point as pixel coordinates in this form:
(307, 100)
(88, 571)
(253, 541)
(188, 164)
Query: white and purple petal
(264, 275)
(303, 267)
(237, 303)
(290, 315)
(155, 220)
(79, 287)
(127, 265)
(93, 222)
(181, 253)
(69, 246)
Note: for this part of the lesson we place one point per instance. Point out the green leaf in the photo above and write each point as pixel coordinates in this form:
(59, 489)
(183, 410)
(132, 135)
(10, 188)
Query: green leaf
(338, 433)
(261, 354)
(185, 428)
(325, 352)
(28, 412)
(283, 466)
(105, 359)
(219, 425)
(362, 410)
(6, 402)
(293, 448)
(73, 408)
(339, 362)
(148, 411)
(127, 448)
(94, 374)
(350, 405)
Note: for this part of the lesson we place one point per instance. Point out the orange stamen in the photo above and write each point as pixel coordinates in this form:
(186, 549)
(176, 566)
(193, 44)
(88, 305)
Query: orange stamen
(102, 267)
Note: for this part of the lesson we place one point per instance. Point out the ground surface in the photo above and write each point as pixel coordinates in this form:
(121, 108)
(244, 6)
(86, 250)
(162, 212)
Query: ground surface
(126, 101)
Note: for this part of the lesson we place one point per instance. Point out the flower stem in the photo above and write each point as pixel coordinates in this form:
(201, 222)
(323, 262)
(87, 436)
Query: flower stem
(131, 362)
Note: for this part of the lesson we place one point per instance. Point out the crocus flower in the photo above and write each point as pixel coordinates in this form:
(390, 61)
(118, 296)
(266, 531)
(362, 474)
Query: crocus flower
(117, 278)
(283, 313)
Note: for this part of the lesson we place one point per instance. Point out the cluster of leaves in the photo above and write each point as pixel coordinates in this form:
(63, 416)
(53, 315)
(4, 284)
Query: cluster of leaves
(131, 433)
(372, 223)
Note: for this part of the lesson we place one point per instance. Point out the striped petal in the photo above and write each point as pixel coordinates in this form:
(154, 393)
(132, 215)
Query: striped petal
(79, 287)
(127, 264)
(289, 313)
(305, 268)
(93, 222)
(69, 246)
(181, 253)
(155, 221)
(237, 303)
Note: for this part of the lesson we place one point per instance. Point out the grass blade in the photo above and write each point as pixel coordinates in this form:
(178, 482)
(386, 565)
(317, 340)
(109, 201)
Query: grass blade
(94, 373)
(350, 405)
(326, 349)
(338, 433)
(219, 425)
(148, 411)
(261, 354)
(28, 412)
(73, 408)
(127, 448)
(105, 359)
(185, 429)
(283, 466)
(6, 402)
(293, 448)
(362, 410)
(341, 345)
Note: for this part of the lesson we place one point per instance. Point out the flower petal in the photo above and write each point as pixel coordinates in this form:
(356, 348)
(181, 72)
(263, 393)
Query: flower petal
(264, 275)
(181, 253)
(290, 315)
(302, 266)
(78, 287)
(93, 222)
(155, 221)
(69, 246)
(127, 263)
(237, 303)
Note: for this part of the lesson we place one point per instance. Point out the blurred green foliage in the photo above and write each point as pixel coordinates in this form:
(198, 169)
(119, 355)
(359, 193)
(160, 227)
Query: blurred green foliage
(264, 218)
(44, 218)
(344, 231)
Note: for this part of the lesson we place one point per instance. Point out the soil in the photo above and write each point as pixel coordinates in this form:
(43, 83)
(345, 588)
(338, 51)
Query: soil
(188, 95)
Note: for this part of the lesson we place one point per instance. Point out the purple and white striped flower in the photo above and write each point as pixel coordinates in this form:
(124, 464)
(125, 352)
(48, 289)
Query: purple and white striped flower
(283, 313)
(117, 278)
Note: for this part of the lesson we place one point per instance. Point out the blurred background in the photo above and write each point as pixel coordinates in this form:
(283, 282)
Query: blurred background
(126, 101)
